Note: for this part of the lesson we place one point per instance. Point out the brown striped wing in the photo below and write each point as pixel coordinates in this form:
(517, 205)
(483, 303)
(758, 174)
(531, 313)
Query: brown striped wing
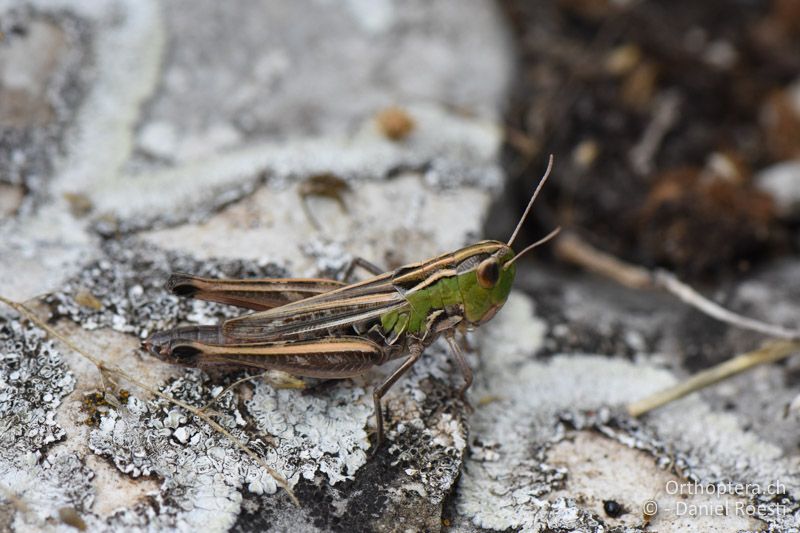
(363, 301)
(353, 304)
(257, 294)
(334, 357)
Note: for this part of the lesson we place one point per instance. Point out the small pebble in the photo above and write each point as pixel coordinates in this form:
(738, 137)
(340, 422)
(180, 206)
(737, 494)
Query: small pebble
(782, 182)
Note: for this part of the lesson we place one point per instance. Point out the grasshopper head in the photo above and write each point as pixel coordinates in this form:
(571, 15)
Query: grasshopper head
(486, 270)
(487, 281)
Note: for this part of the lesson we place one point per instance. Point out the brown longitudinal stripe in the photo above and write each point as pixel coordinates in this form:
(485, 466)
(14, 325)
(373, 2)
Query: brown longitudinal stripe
(430, 280)
(322, 308)
(408, 277)
(267, 349)
(483, 247)
(376, 285)
(344, 302)
(258, 294)
(333, 357)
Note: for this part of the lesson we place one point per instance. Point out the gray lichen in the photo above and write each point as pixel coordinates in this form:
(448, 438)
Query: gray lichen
(317, 434)
(203, 473)
(124, 289)
(33, 382)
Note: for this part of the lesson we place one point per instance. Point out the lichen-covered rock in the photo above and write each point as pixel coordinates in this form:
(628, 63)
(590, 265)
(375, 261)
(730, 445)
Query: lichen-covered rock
(328, 434)
(140, 138)
(34, 380)
(179, 151)
(567, 446)
(124, 289)
(36, 478)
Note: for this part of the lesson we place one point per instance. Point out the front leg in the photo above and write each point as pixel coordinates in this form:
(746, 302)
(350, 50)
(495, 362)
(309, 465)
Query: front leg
(466, 371)
(448, 327)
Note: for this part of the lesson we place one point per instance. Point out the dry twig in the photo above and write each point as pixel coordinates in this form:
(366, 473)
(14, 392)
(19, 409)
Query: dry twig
(769, 353)
(572, 248)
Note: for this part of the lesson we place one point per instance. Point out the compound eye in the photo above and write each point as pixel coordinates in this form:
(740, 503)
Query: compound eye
(488, 273)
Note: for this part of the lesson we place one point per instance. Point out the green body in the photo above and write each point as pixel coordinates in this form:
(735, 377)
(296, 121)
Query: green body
(460, 292)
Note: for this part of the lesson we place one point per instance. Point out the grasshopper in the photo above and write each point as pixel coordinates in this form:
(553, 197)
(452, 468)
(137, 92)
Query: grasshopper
(324, 328)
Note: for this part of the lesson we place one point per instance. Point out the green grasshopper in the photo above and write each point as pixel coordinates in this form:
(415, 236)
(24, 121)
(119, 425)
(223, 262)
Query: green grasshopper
(324, 328)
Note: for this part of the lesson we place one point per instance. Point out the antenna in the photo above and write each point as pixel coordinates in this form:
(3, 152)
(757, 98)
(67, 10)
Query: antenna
(533, 198)
(532, 246)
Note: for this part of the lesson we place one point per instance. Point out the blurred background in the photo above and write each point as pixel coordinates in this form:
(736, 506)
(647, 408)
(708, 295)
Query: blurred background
(676, 127)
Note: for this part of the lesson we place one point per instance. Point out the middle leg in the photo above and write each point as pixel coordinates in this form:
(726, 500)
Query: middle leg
(372, 268)
(466, 371)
